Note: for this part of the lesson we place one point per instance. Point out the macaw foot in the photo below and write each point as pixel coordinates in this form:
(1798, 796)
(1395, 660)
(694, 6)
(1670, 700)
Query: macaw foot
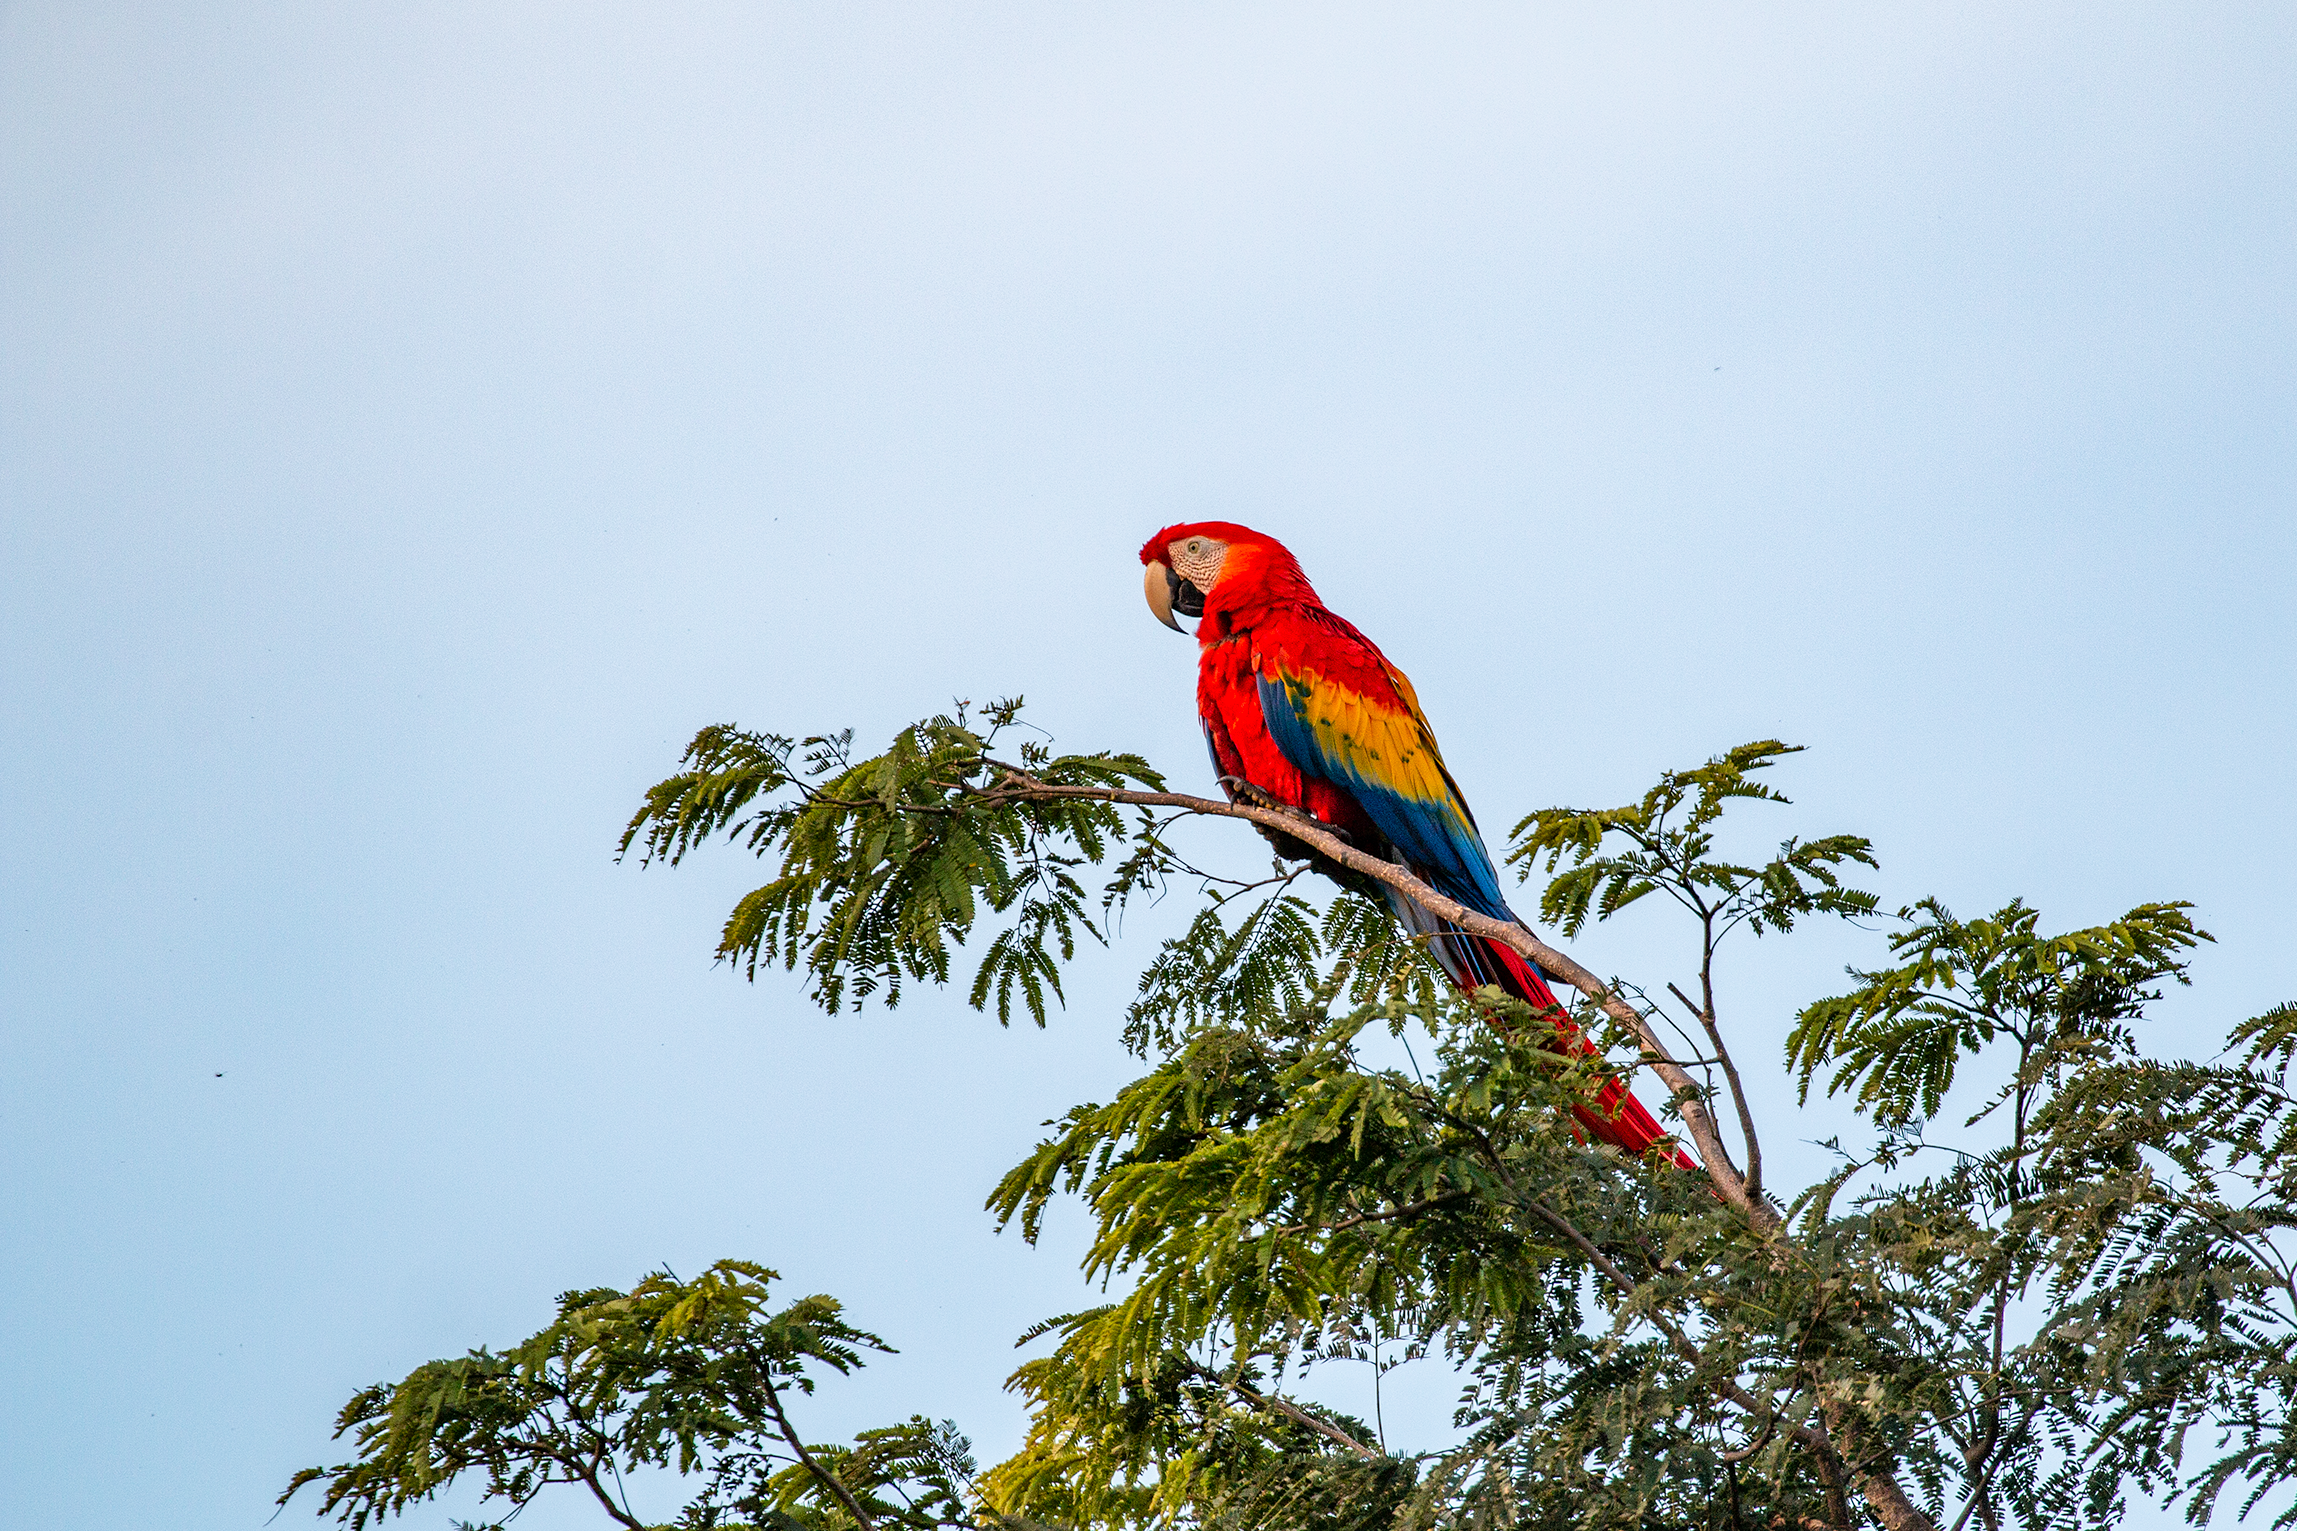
(1241, 790)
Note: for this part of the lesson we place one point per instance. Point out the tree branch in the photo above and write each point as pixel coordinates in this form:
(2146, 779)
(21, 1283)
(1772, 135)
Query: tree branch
(588, 1477)
(822, 1475)
(1375, 1217)
(1706, 1015)
(1877, 1485)
(1015, 785)
(1288, 1409)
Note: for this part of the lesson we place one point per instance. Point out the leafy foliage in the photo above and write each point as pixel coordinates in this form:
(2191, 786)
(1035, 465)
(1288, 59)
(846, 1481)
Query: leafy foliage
(1965, 984)
(1273, 1200)
(1332, 1158)
(2060, 1201)
(888, 863)
(689, 1375)
(2174, 1193)
(1669, 836)
(1665, 842)
(1264, 969)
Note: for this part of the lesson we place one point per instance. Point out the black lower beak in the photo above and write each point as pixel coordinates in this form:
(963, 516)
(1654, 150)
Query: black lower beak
(1168, 593)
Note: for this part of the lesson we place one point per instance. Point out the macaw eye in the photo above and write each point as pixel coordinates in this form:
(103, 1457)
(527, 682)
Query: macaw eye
(1196, 544)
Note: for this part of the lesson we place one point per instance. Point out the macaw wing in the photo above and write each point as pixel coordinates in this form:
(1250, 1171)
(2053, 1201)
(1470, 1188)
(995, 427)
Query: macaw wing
(1379, 751)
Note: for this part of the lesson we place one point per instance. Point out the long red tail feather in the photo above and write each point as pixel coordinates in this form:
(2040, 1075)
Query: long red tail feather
(1617, 1117)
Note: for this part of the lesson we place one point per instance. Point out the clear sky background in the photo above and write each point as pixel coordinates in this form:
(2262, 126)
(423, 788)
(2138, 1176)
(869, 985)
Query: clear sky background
(416, 421)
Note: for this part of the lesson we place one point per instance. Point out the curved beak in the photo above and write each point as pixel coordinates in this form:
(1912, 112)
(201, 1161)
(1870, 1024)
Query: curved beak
(1160, 586)
(1167, 593)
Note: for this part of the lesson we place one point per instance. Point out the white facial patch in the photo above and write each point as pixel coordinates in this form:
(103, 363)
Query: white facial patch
(1198, 560)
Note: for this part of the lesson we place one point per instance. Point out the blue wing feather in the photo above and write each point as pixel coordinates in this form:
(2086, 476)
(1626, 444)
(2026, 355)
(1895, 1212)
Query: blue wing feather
(1431, 830)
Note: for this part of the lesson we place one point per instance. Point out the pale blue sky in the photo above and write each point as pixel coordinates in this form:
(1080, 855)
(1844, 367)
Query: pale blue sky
(416, 421)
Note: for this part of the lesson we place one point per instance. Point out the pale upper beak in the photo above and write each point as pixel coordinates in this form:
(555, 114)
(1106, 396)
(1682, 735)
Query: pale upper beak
(1167, 593)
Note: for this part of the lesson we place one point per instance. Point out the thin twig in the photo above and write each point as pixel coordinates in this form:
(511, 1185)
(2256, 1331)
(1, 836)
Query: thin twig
(1375, 1217)
(1288, 1409)
(1706, 1015)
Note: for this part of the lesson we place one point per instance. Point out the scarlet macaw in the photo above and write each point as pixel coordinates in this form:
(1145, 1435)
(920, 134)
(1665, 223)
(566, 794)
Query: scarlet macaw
(1302, 707)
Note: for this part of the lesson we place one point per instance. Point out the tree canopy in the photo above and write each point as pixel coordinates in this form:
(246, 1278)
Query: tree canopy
(2081, 1292)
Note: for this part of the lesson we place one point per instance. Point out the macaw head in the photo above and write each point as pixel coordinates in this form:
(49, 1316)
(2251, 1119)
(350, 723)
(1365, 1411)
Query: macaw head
(1216, 566)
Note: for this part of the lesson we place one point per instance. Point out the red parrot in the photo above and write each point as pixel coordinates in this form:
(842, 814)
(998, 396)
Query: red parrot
(1302, 707)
